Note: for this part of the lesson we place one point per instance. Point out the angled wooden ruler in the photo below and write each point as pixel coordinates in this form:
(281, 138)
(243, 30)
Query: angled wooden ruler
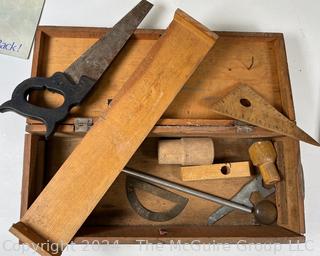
(244, 104)
(80, 183)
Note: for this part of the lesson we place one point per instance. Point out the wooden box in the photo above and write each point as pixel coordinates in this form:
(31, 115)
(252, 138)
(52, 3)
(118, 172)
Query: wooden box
(255, 59)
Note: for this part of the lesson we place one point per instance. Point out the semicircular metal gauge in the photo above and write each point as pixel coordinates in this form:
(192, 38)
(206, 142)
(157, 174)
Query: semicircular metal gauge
(132, 184)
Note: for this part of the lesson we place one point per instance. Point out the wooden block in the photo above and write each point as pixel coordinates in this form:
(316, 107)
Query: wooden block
(215, 171)
(86, 175)
(186, 151)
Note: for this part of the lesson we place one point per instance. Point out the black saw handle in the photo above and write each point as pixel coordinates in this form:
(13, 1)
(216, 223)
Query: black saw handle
(73, 95)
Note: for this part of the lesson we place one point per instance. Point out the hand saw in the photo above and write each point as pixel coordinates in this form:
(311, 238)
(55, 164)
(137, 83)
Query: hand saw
(79, 78)
(244, 104)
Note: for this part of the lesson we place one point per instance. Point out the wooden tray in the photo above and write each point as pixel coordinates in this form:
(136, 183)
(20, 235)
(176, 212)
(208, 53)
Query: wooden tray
(257, 59)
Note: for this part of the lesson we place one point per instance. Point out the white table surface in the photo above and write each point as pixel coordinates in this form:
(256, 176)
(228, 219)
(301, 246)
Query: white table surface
(298, 20)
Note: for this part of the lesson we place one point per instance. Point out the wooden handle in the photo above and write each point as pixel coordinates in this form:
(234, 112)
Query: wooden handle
(263, 155)
(186, 151)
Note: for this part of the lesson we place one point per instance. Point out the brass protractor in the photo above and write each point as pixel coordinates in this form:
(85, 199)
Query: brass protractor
(244, 104)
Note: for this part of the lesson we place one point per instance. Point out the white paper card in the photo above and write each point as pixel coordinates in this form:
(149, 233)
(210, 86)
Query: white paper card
(18, 23)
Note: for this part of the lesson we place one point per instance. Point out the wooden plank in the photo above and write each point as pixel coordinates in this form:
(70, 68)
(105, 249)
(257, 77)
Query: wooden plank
(164, 121)
(176, 128)
(90, 170)
(38, 50)
(215, 171)
(283, 78)
(38, 176)
(214, 131)
(289, 196)
(32, 173)
(33, 163)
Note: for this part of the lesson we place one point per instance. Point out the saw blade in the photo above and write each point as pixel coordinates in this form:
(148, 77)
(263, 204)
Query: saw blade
(99, 56)
(244, 104)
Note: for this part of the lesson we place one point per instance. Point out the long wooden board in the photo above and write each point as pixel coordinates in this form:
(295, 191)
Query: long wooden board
(290, 196)
(80, 183)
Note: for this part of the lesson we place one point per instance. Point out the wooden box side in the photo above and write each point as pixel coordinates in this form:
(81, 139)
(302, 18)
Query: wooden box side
(191, 234)
(33, 170)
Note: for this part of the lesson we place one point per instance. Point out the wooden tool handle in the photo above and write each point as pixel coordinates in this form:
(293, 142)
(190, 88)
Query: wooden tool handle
(263, 155)
(186, 151)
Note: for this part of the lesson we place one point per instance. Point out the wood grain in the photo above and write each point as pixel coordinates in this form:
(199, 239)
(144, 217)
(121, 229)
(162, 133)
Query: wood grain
(29, 162)
(113, 210)
(222, 69)
(176, 128)
(186, 151)
(290, 194)
(86, 175)
(36, 242)
(33, 170)
(242, 235)
(215, 171)
(225, 66)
